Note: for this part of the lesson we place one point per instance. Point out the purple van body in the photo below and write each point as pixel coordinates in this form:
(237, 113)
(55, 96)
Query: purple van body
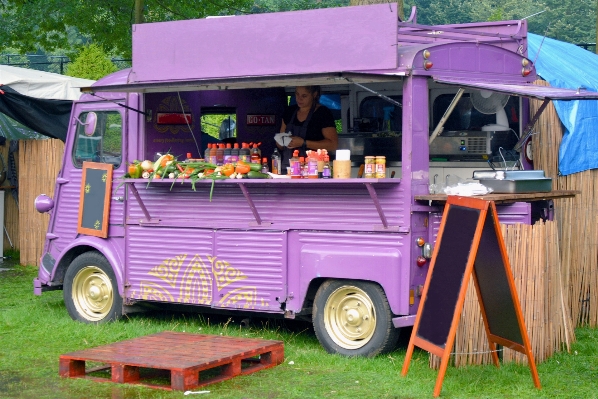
(262, 245)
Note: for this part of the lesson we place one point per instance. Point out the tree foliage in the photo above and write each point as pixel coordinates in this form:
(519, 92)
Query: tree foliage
(67, 24)
(91, 63)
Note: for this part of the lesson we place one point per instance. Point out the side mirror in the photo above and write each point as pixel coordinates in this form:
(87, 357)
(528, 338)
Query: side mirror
(91, 122)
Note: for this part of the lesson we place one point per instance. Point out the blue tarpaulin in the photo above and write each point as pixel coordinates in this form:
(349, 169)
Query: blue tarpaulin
(566, 65)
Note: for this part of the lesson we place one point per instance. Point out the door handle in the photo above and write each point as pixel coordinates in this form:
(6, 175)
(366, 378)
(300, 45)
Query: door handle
(119, 199)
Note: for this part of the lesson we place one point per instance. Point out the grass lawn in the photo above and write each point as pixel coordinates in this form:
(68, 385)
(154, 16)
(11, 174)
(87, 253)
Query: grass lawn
(35, 331)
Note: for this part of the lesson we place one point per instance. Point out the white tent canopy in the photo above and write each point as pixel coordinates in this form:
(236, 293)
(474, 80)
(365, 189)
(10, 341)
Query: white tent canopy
(37, 84)
(33, 83)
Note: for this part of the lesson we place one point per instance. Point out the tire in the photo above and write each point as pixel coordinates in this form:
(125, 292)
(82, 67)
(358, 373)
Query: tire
(353, 318)
(90, 290)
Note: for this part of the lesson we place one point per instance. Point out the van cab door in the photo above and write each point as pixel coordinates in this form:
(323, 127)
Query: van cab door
(103, 144)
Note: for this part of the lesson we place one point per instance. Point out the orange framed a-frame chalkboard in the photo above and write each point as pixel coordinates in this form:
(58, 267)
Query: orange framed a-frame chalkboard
(469, 244)
(94, 200)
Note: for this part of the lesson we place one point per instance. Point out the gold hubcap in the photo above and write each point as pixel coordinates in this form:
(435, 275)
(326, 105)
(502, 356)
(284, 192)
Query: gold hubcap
(350, 317)
(92, 293)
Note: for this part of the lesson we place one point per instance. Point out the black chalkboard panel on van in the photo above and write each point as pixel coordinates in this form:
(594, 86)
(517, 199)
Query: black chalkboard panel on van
(94, 204)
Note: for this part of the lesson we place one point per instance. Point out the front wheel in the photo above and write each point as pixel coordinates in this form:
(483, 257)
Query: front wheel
(90, 290)
(353, 318)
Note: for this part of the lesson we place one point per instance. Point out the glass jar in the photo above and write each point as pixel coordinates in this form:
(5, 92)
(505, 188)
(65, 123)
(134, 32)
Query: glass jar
(370, 167)
(380, 167)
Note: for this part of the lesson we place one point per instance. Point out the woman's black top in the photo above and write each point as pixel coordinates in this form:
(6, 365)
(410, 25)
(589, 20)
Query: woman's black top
(322, 118)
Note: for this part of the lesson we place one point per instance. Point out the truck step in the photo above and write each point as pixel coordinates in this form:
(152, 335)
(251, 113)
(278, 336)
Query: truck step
(189, 360)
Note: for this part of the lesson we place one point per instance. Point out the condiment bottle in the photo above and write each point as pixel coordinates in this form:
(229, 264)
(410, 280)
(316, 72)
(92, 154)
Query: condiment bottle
(295, 166)
(234, 154)
(276, 162)
(255, 154)
(213, 152)
(312, 168)
(370, 167)
(303, 167)
(326, 172)
(206, 156)
(265, 168)
(220, 154)
(227, 153)
(244, 153)
(380, 167)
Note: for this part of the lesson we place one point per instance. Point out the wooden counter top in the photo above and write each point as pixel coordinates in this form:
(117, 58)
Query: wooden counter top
(507, 197)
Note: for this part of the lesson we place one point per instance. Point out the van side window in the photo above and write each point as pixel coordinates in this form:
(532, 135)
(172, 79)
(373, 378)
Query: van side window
(104, 144)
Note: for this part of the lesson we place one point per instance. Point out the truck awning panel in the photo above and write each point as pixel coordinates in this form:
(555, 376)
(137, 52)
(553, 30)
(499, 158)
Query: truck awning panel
(248, 82)
(524, 89)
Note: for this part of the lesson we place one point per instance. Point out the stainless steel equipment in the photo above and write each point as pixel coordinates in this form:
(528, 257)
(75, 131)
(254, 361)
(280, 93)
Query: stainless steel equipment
(514, 181)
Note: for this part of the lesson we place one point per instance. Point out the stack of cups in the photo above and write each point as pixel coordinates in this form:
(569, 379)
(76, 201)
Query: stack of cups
(341, 167)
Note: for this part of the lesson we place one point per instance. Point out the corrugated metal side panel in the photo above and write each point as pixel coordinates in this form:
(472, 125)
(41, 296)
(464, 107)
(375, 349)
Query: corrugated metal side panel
(350, 255)
(117, 208)
(519, 212)
(67, 208)
(333, 207)
(250, 272)
(169, 264)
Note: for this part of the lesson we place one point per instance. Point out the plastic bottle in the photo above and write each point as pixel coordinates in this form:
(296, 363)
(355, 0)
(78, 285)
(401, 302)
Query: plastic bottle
(265, 168)
(326, 171)
(303, 167)
(312, 168)
(386, 122)
(295, 166)
(227, 153)
(255, 154)
(189, 157)
(213, 152)
(244, 153)
(234, 153)
(276, 162)
(206, 156)
(220, 154)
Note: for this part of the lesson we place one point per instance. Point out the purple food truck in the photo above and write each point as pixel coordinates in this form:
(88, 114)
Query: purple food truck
(349, 254)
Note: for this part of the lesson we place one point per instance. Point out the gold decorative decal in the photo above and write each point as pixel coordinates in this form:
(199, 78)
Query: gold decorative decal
(87, 188)
(245, 297)
(97, 224)
(224, 273)
(104, 177)
(196, 284)
(154, 292)
(169, 269)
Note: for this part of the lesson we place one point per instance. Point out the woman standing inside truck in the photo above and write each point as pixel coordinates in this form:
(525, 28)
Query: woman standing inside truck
(310, 123)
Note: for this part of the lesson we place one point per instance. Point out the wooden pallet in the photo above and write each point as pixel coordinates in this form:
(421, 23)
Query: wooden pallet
(183, 355)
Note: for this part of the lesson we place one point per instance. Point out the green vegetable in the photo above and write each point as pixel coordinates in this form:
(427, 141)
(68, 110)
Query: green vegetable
(257, 175)
(256, 167)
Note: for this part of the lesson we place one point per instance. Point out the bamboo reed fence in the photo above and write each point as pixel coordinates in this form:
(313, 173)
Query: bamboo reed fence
(39, 163)
(556, 273)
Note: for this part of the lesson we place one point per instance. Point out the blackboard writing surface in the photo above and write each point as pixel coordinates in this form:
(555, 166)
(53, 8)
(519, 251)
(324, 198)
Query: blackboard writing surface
(94, 204)
(493, 286)
(447, 275)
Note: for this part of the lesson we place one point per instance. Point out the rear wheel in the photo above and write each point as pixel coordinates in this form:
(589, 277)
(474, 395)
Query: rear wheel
(90, 290)
(353, 318)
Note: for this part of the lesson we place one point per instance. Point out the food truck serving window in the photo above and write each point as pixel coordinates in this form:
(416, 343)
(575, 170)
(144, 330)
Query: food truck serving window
(378, 115)
(466, 117)
(104, 144)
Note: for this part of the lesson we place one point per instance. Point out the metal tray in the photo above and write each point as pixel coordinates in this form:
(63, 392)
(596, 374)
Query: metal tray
(508, 174)
(518, 186)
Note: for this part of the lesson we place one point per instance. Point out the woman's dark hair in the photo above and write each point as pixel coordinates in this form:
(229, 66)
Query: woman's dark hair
(314, 89)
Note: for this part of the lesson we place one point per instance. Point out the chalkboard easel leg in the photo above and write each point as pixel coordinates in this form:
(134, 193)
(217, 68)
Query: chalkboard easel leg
(442, 371)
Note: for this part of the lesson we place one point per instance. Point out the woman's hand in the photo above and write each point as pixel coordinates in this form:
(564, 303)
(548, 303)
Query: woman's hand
(296, 142)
